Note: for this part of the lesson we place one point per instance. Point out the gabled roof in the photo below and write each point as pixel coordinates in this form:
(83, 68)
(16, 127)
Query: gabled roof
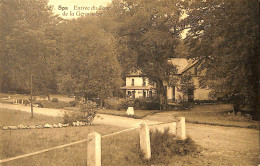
(135, 73)
(182, 64)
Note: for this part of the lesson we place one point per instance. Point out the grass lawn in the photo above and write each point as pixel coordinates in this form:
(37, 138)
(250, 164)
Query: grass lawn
(18, 142)
(218, 118)
(63, 101)
(139, 114)
(55, 105)
(207, 114)
(14, 117)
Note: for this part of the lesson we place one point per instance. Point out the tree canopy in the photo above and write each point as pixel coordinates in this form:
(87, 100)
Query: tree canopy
(225, 35)
(88, 64)
(147, 29)
(26, 46)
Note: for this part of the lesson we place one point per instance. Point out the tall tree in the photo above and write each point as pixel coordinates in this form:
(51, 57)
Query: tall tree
(89, 66)
(225, 35)
(149, 29)
(26, 46)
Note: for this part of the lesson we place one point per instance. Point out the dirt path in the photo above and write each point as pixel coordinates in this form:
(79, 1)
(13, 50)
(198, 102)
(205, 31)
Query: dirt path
(102, 119)
(231, 145)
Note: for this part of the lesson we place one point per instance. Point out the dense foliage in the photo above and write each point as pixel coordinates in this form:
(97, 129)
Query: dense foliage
(225, 36)
(86, 114)
(89, 56)
(26, 45)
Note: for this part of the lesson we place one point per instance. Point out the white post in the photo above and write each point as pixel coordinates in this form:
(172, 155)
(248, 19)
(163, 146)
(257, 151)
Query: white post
(173, 128)
(94, 149)
(145, 140)
(181, 129)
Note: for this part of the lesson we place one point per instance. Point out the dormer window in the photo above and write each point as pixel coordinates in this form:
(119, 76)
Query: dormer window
(133, 82)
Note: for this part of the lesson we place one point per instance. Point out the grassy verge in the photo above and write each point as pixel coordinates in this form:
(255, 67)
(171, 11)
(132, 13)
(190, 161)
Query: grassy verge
(14, 117)
(18, 142)
(55, 105)
(218, 118)
(139, 114)
(62, 100)
(208, 114)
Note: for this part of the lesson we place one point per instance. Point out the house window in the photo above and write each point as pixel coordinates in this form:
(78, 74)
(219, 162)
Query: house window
(144, 81)
(133, 82)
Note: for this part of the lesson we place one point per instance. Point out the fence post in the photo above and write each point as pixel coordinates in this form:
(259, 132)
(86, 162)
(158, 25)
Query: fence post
(94, 149)
(173, 128)
(145, 140)
(181, 129)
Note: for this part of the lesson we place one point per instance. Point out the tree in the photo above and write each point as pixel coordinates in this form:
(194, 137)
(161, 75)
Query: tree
(88, 61)
(26, 46)
(149, 29)
(225, 35)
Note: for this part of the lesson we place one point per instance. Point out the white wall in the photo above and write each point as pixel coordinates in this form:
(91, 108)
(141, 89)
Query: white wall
(138, 81)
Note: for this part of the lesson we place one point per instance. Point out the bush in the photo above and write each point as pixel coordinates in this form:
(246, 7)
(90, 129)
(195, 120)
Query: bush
(164, 145)
(238, 117)
(38, 104)
(147, 104)
(127, 103)
(86, 113)
(54, 100)
(184, 105)
(72, 103)
(113, 104)
(118, 104)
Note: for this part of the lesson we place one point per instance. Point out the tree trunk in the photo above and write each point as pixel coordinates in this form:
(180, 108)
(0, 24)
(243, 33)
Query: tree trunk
(101, 102)
(31, 93)
(161, 93)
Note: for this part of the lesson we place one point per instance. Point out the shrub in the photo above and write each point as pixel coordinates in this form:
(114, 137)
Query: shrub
(238, 117)
(72, 103)
(184, 105)
(38, 104)
(113, 104)
(165, 145)
(147, 104)
(118, 104)
(127, 103)
(86, 113)
(54, 100)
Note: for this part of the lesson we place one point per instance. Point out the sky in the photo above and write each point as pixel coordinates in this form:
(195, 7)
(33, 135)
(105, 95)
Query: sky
(67, 6)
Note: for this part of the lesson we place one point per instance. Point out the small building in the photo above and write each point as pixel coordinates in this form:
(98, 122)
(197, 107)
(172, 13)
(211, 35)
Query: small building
(193, 93)
(138, 86)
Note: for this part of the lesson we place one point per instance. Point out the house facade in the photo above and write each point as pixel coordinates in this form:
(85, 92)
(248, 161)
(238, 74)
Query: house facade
(138, 85)
(195, 92)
